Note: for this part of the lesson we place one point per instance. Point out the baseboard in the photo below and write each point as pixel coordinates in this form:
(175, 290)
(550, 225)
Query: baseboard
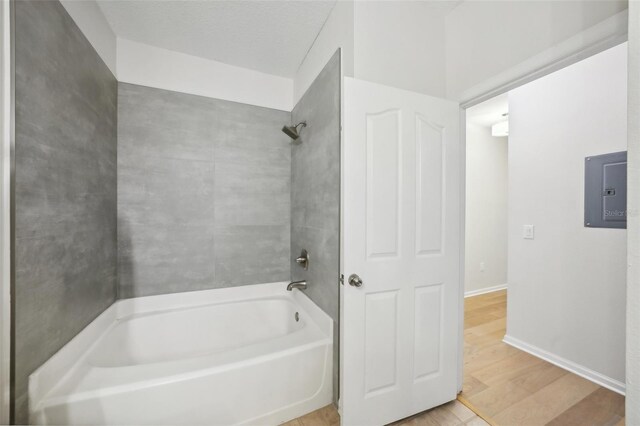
(600, 379)
(485, 290)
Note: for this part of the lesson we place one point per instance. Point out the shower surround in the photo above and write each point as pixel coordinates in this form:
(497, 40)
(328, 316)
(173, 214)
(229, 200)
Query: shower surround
(315, 195)
(125, 191)
(212, 194)
(203, 193)
(65, 186)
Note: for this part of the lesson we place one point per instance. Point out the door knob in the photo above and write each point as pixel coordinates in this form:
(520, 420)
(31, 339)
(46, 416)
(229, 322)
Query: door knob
(355, 281)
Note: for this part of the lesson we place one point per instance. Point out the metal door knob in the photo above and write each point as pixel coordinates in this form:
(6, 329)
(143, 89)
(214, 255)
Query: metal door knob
(355, 281)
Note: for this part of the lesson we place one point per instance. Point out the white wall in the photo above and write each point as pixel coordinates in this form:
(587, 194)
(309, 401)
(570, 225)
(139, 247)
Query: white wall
(89, 18)
(165, 69)
(567, 286)
(137, 63)
(486, 210)
(400, 44)
(487, 39)
(337, 33)
(428, 48)
(633, 229)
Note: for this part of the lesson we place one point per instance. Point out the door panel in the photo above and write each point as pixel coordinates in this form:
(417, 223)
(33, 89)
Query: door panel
(428, 331)
(383, 181)
(401, 176)
(430, 181)
(381, 362)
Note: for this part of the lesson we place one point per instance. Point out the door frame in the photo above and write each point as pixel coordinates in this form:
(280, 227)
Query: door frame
(632, 400)
(7, 179)
(599, 38)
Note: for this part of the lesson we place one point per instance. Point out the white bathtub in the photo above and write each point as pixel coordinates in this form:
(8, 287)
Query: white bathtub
(214, 357)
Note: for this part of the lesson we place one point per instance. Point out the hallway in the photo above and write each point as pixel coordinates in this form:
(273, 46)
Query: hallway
(507, 386)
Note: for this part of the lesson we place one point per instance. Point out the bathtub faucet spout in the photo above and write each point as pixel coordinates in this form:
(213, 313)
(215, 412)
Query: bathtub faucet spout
(297, 284)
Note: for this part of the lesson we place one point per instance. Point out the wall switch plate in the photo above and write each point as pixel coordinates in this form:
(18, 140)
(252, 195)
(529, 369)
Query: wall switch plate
(481, 266)
(528, 232)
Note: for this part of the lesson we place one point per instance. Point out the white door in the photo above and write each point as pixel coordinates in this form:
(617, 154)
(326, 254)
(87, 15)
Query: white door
(401, 227)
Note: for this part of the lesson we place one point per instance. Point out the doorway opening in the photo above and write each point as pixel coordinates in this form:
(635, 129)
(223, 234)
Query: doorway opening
(545, 289)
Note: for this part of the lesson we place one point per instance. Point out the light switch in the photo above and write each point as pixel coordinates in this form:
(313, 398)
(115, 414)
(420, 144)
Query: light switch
(527, 232)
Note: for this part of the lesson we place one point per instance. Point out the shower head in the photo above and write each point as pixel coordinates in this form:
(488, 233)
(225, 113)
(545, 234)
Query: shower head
(292, 131)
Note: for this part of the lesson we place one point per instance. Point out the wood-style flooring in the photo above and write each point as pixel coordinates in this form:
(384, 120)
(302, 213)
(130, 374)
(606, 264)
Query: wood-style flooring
(505, 386)
(453, 413)
(510, 387)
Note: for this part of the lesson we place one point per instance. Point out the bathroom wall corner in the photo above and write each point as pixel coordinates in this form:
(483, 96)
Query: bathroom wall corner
(65, 186)
(315, 194)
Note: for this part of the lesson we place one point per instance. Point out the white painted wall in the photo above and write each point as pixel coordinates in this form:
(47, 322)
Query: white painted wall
(486, 210)
(89, 18)
(137, 63)
(460, 53)
(632, 412)
(567, 290)
(337, 33)
(401, 44)
(489, 43)
(165, 69)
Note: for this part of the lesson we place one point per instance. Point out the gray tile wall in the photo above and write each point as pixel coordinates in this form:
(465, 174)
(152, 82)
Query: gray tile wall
(65, 187)
(203, 193)
(315, 194)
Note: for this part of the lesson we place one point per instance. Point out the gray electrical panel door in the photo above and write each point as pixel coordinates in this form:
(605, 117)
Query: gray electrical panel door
(605, 191)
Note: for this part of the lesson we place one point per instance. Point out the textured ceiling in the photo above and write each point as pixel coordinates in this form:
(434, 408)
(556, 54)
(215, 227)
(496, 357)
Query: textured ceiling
(268, 36)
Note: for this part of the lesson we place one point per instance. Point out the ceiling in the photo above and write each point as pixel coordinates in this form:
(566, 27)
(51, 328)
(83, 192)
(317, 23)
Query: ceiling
(268, 36)
(489, 112)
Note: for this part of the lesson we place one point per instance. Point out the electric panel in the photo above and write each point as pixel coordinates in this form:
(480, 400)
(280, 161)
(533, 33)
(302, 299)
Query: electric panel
(605, 191)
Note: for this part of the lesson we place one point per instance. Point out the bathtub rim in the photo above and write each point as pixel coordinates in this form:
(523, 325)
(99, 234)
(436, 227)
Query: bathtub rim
(46, 378)
(123, 320)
